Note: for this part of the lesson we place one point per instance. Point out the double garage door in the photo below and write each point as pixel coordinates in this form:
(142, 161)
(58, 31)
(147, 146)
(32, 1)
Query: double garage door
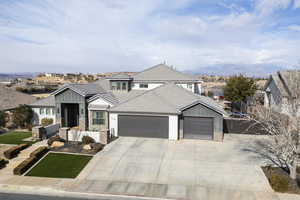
(143, 126)
(198, 128)
(158, 127)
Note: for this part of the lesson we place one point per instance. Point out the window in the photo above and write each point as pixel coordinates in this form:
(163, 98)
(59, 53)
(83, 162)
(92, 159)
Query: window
(124, 86)
(42, 111)
(119, 85)
(190, 86)
(48, 111)
(143, 85)
(98, 117)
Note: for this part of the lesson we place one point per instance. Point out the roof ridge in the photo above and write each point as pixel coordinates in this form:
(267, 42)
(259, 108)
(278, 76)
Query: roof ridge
(147, 91)
(147, 69)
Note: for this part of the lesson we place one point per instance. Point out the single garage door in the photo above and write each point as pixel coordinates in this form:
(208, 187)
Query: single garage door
(198, 128)
(143, 126)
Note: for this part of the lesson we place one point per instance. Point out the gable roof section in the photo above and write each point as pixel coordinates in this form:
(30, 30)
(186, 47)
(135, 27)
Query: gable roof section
(109, 97)
(168, 98)
(82, 89)
(291, 81)
(163, 73)
(10, 98)
(48, 101)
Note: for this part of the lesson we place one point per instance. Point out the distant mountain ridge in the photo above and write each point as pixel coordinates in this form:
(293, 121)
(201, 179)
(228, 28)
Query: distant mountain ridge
(7, 76)
(257, 70)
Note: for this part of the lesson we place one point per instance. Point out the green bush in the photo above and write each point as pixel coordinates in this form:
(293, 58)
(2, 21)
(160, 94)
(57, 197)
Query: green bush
(22, 116)
(87, 140)
(53, 139)
(46, 121)
(39, 152)
(25, 165)
(3, 163)
(2, 118)
(14, 151)
(279, 183)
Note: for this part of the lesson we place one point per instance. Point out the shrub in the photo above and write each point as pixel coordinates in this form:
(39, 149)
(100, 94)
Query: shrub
(3, 163)
(53, 139)
(39, 152)
(14, 151)
(22, 116)
(279, 183)
(25, 165)
(96, 147)
(87, 140)
(46, 121)
(2, 118)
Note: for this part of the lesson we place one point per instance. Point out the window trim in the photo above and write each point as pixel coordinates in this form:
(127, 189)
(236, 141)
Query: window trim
(98, 120)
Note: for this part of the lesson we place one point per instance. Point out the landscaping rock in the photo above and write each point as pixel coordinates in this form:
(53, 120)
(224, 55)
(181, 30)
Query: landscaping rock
(87, 147)
(57, 144)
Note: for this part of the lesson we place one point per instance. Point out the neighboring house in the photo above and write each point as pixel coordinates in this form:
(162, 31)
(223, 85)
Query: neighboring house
(44, 108)
(279, 88)
(11, 99)
(158, 102)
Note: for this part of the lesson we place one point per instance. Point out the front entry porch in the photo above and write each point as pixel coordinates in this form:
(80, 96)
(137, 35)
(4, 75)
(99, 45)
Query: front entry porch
(70, 114)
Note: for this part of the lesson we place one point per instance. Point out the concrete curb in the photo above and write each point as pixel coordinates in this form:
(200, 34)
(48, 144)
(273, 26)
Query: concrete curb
(45, 191)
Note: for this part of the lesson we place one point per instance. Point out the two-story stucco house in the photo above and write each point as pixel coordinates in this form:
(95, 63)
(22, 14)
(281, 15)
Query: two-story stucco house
(158, 102)
(280, 88)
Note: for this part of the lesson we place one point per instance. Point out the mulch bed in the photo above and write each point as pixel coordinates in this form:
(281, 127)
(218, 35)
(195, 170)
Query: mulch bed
(74, 147)
(288, 185)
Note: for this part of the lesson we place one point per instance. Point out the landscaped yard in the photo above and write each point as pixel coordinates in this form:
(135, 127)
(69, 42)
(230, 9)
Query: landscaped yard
(59, 165)
(15, 137)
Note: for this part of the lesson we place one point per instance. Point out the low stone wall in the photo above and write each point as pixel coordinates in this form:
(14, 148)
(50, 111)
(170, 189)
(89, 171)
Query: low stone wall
(241, 126)
(41, 132)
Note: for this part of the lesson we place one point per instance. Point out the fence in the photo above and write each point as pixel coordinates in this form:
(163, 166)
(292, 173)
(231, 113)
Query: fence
(41, 132)
(52, 129)
(242, 126)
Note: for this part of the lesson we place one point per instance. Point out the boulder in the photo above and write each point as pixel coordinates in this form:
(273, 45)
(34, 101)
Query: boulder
(87, 147)
(57, 144)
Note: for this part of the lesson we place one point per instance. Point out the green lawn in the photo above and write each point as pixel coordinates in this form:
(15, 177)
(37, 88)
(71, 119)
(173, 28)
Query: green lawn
(14, 137)
(59, 165)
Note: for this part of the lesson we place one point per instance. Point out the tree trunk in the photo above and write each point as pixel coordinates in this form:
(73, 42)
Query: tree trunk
(293, 170)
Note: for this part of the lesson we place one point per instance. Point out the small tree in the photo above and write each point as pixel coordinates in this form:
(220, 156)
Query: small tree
(2, 119)
(239, 88)
(22, 116)
(46, 121)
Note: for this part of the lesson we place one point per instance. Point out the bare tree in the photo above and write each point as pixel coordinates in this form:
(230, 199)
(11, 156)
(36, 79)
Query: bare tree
(284, 129)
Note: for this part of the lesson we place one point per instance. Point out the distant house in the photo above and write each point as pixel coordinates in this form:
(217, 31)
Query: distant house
(279, 88)
(158, 102)
(11, 99)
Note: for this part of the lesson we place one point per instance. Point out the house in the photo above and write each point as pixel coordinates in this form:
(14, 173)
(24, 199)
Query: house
(158, 102)
(11, 99)
(281, 87)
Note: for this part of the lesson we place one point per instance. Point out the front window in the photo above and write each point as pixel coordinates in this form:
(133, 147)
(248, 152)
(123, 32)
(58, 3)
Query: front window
(98, 117)
(42, 111)
(190, 86)
(48, 111)
(143, 85)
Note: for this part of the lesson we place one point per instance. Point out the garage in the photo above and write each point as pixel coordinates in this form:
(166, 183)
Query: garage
(143, 126)
(198, 128)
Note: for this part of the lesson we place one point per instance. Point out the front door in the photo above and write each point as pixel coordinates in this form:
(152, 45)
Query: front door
(70, 115)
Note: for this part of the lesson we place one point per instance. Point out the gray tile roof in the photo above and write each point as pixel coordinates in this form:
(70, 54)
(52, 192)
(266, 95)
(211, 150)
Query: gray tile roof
(120, 76)
(104, 83)
(10, 99)
(168, 98)
(48, 101)
(163, 73)
(291, 81)
(88, 89)
(106, 96)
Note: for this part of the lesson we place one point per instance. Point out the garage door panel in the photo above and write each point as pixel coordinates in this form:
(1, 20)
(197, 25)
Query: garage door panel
(198, 128)
(143, 126)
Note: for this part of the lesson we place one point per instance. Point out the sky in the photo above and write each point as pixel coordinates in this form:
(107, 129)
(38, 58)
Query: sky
(93, 36)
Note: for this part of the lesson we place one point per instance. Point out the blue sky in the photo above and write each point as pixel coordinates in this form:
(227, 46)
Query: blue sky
(128, 35)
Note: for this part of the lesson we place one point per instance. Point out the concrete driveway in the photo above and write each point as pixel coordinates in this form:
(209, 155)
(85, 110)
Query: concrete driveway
(232, 165)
